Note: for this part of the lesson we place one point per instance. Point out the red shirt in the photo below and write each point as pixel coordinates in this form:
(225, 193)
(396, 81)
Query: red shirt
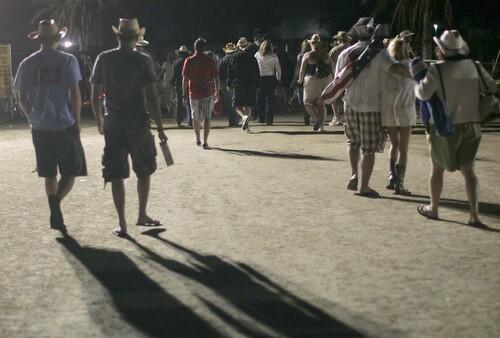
(200, 71)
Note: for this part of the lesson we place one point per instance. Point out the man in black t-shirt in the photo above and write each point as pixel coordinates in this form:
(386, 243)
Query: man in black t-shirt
(243, 75)
(182, 112)
(127, 79)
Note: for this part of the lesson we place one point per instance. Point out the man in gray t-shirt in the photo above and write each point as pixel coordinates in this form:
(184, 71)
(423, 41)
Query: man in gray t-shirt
(127, 80)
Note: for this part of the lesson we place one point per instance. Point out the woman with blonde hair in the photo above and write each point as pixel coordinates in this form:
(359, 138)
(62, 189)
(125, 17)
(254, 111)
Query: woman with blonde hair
(398, 112)
(315, 75)
(299, 90)
(457, 81)
(270, 75)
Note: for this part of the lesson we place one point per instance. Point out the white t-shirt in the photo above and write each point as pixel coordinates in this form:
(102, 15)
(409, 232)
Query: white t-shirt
(269, 65)
(363, 95)
(396, 92)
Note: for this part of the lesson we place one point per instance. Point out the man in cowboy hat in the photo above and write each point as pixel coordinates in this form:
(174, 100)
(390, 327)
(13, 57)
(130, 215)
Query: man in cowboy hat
(341, 41)
(363, 126)
(183, 112)
(227, 92)
(201, 86)
(128, 78)
(243, 75)
(50, 98)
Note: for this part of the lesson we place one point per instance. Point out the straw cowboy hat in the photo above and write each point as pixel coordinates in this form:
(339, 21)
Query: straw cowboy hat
(342, 36)
(451, 43)
(315, 39)
(182, 49)
(48, 30)
(243, 43)
(230, 48)
(363, 28)
(129, 27)
(404, 34)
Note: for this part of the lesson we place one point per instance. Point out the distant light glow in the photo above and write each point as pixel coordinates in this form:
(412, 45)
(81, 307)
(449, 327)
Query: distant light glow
(436, 27)
(67, 44)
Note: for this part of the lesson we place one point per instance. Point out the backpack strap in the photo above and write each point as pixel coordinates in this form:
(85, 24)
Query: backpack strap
(442, 85)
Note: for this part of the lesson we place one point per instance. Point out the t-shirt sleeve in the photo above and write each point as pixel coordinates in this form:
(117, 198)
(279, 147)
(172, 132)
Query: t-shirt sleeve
(21, 82)
(149, 73)
(97, 76)
(72, 73)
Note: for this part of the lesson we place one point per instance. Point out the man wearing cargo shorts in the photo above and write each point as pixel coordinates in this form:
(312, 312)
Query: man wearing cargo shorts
(200, 83)
(50, 98)
(128, 78)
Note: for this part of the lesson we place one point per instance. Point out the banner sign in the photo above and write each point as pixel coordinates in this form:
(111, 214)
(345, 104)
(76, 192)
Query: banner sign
(5, 71)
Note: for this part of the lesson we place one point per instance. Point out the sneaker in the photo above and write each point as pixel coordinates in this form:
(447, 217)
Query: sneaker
(244, 124)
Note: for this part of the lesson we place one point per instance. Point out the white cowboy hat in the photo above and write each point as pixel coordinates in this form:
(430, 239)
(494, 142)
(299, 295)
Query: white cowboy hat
(404, 34)
(243, 43)
(183, 49)
(315, 38)
(230, 48)
(129, 27)
(48, 30)
(451, 43)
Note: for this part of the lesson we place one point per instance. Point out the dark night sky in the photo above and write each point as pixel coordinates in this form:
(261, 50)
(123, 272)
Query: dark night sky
(181, 21)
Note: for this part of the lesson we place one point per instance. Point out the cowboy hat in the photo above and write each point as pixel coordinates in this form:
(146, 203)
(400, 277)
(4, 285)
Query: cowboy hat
(404, 34)
(48, 30)
(451, 43)
(363, 28)
(243, 43)
(129, 27)
(315, 38)
(230, 48)
(141, 42)
(182, 49)
(342, 35)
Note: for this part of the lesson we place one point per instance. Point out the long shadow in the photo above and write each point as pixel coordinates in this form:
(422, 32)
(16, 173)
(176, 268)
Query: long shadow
(137, 298)
(244, 152)
(485, 208)
(252, 294)
(295, 132)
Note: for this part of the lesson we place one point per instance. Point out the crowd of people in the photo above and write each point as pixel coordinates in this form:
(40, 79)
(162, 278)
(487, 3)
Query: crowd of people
(368, 67)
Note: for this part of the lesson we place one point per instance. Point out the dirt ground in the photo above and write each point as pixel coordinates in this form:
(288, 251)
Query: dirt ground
(260, 239)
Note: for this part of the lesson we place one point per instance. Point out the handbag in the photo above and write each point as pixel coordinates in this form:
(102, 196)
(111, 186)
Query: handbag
(488, 102)
(440, 113)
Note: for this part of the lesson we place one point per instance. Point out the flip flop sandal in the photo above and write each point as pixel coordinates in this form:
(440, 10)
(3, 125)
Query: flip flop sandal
(424, 211)
(370, 194)
(119, 233)
(353, 184)
(149, 223)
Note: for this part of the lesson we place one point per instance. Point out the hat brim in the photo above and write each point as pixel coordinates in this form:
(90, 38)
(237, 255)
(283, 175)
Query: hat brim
(404, 36)
(141, 31)
(59, 36)
(229, 51)
(142, 43)
(452, 52)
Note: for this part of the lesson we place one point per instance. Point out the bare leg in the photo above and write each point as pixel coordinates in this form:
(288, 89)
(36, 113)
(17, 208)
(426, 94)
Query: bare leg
(404, 141)
(472, 187)
(143, 187)
(118, 189)
(65, 185)
(197, 128)
(394, 137)
(320, 106)
(367, 163)
(354, 154)
(436, 187)
(51, 186)
(206, 131)
(311, 110)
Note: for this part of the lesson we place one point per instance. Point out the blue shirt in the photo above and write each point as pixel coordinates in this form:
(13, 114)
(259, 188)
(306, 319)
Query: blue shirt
(46, 76)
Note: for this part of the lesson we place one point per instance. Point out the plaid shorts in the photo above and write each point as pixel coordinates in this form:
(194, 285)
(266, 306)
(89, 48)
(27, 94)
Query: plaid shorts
(364, 129)
(202, 108)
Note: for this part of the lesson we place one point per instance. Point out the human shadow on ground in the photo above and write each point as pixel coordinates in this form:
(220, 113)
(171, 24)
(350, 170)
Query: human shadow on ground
(301, 132)
(252, 294)
(274, 154)
(484, 208)
(139, 300)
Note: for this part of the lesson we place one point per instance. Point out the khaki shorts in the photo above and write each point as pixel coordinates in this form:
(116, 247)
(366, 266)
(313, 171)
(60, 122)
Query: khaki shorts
(457, 150)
